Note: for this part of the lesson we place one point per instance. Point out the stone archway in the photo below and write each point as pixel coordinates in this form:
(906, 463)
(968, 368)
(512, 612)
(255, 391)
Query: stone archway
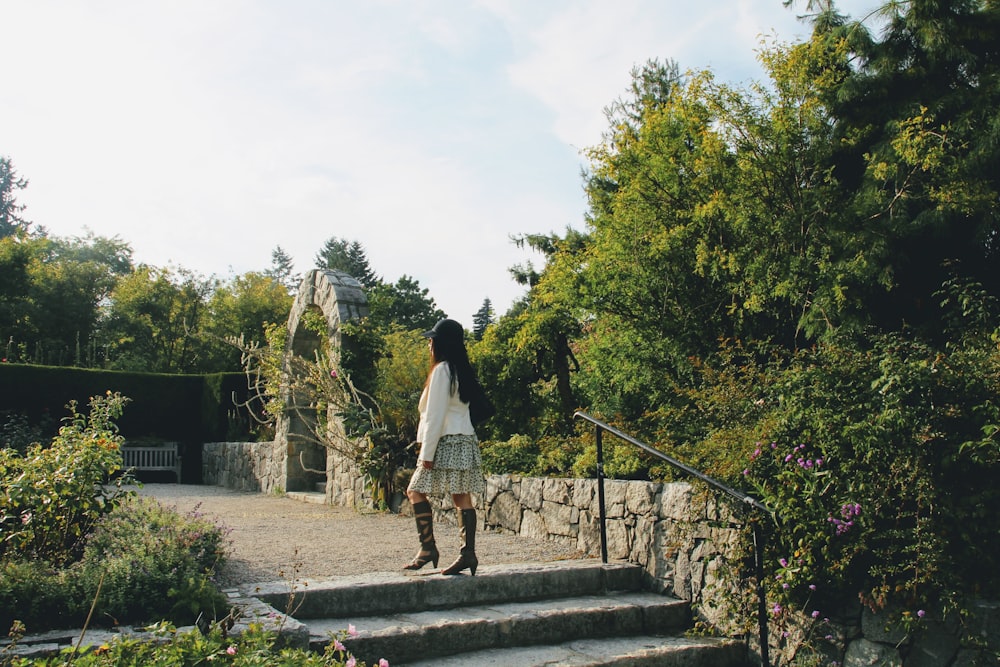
(338, 298)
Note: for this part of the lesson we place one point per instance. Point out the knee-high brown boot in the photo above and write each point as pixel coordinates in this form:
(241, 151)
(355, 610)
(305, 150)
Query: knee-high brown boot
(424, 516)
(467, 558)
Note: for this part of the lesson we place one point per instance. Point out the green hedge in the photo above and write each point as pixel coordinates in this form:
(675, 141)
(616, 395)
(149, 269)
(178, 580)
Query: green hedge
(183, 408)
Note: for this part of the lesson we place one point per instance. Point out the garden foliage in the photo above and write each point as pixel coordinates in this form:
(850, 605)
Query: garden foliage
(254, 648)
(76, 540)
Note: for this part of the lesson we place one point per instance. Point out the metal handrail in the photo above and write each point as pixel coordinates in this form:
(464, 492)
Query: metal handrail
(744, 499)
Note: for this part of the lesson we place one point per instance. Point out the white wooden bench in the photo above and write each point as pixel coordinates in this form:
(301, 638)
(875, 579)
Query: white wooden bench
(161, 457)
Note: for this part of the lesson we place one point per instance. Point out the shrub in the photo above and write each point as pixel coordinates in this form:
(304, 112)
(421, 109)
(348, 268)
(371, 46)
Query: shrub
(32, 592)
(881, 468)
(142, 563)
(53, 496)
(151, 564)
(516, 455)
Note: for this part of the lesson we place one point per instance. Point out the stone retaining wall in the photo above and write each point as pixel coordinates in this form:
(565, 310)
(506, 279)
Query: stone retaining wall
(683, 538)
(243, 466)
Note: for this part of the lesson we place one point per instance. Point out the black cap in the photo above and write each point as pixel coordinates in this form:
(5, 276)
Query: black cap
(446, 329)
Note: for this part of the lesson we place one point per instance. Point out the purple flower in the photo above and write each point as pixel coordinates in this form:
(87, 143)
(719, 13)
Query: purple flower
(812, 587)
(776, 609)
(788, 458)
(746, 471)
(783, 562)
(815, 614)
(921, 613)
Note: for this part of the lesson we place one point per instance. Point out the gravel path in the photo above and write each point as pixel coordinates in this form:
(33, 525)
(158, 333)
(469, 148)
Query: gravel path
(276, 538)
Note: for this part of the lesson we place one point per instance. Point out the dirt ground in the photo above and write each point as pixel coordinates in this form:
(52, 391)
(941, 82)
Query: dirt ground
(276, 538)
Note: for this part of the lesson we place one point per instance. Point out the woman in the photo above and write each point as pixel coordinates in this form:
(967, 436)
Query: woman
(449, 460)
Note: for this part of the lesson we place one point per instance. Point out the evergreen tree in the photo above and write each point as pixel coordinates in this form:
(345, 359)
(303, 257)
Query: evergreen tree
(482, 319)
(11, 222)
(347, 256)
(404, 304)
(283, 269)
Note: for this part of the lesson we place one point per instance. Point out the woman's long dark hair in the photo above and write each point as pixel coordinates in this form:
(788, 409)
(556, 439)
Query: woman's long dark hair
(452, 351)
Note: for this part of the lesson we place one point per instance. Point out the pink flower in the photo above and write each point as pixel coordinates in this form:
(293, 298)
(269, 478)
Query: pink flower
(351, 630)
(382, 662)
(815, 614)
(921, 613)
(337, 645)
(231, 650)
(351, 662)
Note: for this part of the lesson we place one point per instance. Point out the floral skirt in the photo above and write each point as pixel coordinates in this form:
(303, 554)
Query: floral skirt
(458, 468)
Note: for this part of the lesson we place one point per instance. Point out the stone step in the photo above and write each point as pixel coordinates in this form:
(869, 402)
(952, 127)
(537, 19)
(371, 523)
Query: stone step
(563, 613)
(388, 593)
(422, 635)
(640, 651)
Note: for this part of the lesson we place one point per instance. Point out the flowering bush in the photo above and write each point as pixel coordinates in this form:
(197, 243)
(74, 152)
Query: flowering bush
(880, 468)
(52, 496)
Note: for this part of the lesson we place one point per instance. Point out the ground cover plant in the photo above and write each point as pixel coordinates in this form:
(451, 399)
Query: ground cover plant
(170, 648)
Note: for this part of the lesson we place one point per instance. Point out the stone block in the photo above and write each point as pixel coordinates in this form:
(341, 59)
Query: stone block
(614, 498)
(556, 491)
(588, 540)
(865, 653)
(505, 512)
(877, 626)
(532, 525)
(675, 501)
(532, 493)
(639, 497)
(559, 519)
(619, 540)
(584, 493)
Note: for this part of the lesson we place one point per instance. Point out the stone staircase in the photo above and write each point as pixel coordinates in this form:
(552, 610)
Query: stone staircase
(566, 613)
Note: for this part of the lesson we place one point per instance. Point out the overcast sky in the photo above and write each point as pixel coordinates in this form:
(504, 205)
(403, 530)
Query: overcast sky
(207, 132)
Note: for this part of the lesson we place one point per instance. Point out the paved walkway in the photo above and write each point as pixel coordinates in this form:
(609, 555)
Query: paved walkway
(276, 538)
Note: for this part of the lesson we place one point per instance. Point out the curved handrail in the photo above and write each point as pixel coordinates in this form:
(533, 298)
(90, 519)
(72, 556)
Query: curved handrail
(711, 481)
(747, 500)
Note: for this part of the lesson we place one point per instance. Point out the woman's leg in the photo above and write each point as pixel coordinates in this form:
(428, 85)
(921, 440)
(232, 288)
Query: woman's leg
(424, 517)
(467, 559)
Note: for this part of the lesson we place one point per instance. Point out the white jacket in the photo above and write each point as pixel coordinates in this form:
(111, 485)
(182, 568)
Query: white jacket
(441, 413)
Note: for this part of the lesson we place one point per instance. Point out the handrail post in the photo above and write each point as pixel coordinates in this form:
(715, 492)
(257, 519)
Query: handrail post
(600, 495)
(758, 557)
